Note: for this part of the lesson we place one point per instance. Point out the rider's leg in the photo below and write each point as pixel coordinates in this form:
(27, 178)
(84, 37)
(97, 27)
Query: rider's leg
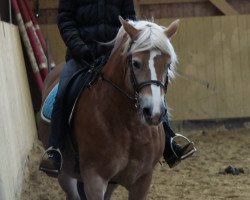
(174, 152)
(53, 160)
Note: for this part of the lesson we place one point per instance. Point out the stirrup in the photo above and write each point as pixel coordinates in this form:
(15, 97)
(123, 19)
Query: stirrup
(188, 142)
(57, 151)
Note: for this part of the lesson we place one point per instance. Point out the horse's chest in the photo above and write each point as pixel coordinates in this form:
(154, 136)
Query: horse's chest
(143, 157)
(134, 170)
(146, 147)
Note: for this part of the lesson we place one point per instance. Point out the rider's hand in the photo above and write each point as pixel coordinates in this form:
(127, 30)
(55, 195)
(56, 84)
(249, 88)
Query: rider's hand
(102, 49)
(86, 54)
(82, 52)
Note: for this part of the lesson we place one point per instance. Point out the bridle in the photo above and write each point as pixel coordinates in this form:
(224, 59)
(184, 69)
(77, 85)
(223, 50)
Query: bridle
(136, 85)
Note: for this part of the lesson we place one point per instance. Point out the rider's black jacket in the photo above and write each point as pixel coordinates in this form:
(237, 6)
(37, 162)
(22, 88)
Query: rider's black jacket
(83, 22)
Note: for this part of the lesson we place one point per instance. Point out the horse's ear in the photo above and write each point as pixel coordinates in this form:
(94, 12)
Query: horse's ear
(130, 29)
(172, 29)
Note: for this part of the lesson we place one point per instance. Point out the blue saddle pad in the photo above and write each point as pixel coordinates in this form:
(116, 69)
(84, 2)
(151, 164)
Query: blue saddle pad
(48, 104)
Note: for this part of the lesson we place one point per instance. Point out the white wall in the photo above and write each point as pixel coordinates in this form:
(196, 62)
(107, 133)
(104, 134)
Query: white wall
(17, 123)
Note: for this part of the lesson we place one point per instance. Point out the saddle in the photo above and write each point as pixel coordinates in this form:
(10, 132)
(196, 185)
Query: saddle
(83, 78)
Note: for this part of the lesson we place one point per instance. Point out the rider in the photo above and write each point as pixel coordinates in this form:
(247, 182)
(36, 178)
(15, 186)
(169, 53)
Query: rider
(81, 24)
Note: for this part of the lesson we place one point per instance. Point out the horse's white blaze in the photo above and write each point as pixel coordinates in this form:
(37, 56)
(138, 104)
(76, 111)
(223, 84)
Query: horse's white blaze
(156, 91)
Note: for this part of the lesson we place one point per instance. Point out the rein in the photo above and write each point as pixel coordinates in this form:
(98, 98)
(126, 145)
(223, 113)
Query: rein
(131, 98)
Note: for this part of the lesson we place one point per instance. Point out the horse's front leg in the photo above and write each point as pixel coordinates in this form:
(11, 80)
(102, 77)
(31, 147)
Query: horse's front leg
(69, 186)
(111, 188)
(139, 190)
(94, 185)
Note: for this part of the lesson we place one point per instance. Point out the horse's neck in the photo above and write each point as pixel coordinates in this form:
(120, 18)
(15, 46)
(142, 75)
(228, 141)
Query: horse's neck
(120, 112)
(115, 71)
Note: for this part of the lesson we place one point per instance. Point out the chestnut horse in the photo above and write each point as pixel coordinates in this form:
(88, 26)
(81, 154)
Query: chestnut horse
(117, 127)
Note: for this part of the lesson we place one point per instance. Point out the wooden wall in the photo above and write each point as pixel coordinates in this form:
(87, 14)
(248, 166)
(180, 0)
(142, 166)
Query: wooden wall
(214, 68)
(17, 123)
(191, 8)
(54, 41)
(146, 9)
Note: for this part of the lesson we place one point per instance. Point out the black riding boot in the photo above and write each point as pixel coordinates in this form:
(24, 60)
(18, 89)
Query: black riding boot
(173, 152)
(52, 160)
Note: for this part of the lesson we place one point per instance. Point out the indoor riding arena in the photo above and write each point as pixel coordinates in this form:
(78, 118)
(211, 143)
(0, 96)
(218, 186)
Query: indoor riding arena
(208, 101)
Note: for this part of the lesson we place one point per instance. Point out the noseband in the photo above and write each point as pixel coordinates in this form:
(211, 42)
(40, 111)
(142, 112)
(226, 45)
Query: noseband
(136, 85)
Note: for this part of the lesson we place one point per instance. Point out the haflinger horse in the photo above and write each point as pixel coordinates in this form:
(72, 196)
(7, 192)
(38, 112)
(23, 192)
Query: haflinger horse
(117, 127)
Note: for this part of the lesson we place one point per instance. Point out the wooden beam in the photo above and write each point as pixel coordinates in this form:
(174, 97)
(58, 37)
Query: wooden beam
(48, 4)
(44, 4)
(224, 7)
(148, 2)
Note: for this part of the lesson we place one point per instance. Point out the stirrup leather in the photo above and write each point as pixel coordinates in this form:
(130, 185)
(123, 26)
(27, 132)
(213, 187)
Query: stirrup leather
(58, 152)
(177, 135)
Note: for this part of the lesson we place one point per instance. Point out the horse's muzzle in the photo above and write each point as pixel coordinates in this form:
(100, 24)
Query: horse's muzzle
(151, 117)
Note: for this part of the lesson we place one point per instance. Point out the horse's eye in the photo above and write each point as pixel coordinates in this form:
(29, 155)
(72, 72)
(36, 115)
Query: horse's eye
(136, 64)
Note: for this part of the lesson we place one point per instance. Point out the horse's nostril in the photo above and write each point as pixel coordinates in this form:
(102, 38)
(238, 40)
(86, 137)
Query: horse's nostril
(147, 112)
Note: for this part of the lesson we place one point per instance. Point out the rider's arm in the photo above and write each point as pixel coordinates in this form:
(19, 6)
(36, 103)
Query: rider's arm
(69, 31)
